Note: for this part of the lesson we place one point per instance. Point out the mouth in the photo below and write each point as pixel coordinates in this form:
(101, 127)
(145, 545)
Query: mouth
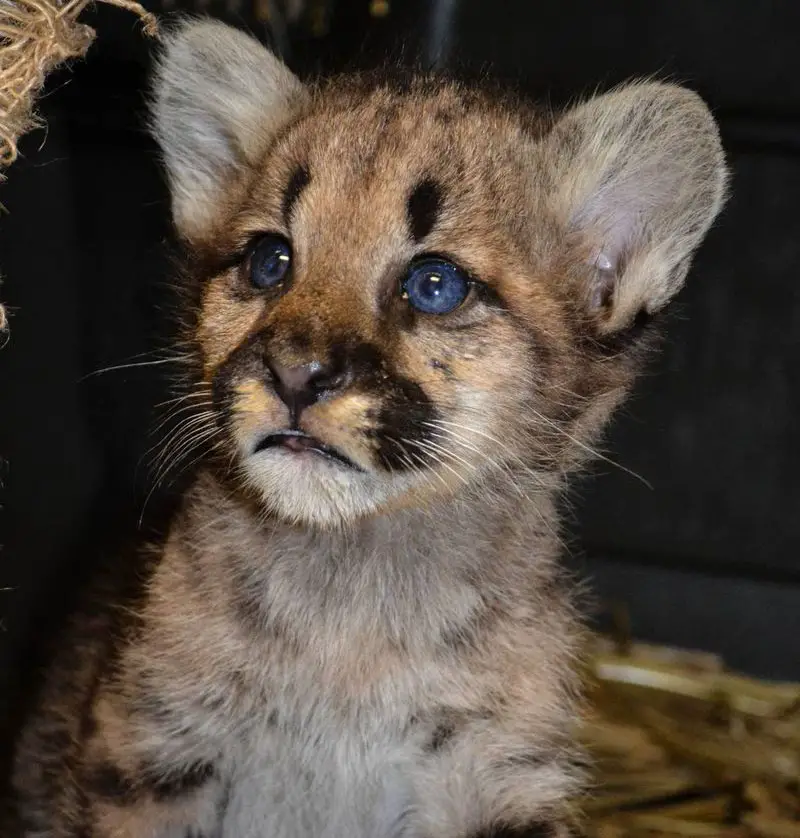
(298, 442)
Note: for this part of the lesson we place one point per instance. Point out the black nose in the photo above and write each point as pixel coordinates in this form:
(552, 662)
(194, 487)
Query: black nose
(301, 386)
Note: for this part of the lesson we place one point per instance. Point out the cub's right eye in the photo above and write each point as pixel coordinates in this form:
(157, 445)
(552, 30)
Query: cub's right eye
(270, 261)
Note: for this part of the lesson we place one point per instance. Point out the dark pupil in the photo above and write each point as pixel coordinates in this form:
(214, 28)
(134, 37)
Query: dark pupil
(436, 288)
(270, 262)
(432, 286)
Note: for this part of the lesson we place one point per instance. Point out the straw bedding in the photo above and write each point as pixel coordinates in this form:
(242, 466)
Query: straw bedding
(684, 747)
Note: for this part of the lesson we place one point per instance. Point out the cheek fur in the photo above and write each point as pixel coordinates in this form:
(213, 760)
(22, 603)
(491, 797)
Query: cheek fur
(253, 410)
(403, 424)
(344, 423)
(224, 323)
(237, 388)
(482, 384)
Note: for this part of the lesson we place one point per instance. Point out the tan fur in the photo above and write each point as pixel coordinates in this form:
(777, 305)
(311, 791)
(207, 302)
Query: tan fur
(387, 649)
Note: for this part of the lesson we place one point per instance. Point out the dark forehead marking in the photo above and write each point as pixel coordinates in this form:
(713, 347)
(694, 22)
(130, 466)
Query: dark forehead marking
(424, 204)
(297, 183)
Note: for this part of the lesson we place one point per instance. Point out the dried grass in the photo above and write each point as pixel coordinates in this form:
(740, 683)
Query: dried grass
(36, 36)
(684, 747)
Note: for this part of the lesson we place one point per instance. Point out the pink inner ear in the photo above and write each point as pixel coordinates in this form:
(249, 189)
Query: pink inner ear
(603, 282)
(615, 212)
(603, 263)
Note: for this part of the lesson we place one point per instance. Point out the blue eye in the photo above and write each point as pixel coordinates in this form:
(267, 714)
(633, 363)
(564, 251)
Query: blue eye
(270, 260)
(434, 286)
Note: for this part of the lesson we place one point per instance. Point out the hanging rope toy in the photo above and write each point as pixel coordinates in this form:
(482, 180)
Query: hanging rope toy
(36, 36)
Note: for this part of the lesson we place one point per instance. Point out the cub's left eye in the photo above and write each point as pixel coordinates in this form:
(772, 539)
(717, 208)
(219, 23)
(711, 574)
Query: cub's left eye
(270, 260)
(435, 286)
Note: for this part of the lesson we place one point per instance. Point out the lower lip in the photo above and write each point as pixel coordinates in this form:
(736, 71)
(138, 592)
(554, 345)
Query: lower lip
(326, 454)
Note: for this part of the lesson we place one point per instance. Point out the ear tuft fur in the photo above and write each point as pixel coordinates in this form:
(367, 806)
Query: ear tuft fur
(218, 98)
(640, 177)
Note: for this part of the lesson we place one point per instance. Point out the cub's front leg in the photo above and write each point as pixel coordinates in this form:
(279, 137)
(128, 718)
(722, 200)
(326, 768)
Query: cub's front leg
(486, 799)
(129, 767)
(187, 802)
(505, 764)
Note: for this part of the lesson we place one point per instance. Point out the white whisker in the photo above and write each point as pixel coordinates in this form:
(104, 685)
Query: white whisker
(133, 365)
(593, 452)
(436, 458)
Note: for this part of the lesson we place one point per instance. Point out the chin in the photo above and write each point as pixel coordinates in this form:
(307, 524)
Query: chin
(309, 490)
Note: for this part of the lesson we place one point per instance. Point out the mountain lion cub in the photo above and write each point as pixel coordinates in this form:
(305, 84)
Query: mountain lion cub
(411, 307)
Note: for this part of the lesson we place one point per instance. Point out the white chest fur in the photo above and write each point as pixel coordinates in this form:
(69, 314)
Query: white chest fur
(327, 786)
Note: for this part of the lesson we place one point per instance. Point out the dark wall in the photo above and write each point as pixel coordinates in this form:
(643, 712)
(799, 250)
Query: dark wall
(706, 554)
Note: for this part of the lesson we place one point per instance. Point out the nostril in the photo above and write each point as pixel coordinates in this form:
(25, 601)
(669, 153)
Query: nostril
(302, 385)
(325, 380)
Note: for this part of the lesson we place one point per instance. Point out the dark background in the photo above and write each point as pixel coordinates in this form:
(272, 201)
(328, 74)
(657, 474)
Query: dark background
(705, 556)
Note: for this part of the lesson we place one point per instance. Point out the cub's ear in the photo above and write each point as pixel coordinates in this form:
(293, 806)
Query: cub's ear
(218, 97)
(640, 176)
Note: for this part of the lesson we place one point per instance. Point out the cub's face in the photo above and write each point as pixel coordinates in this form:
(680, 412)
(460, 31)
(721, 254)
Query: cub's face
(405, 292)
(372, 327)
